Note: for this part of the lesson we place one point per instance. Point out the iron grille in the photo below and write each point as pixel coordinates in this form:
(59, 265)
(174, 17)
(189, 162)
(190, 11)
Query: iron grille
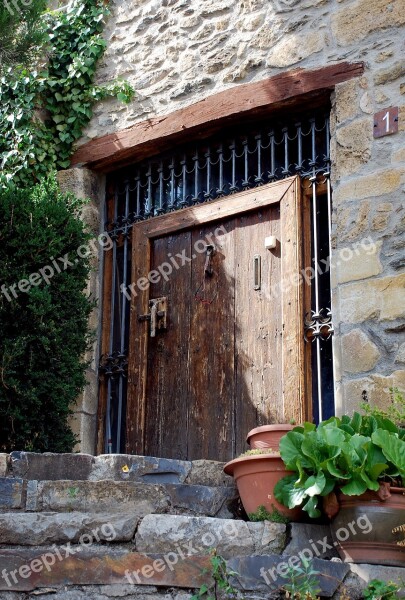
(202, 172)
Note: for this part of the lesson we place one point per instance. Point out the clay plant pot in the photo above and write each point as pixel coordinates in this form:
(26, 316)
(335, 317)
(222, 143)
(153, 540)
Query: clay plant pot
(255, 477)
(369, 538)
(267, 436)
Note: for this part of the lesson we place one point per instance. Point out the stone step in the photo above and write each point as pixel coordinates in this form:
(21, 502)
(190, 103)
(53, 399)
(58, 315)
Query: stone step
(116, 467)
(152, 534)
(50, 569)
(104, 496)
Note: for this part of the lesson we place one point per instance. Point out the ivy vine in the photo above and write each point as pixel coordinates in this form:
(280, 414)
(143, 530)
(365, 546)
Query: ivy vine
(43, 112)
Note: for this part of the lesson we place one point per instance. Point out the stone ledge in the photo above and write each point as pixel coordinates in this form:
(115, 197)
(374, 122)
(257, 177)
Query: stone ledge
(168, 533)
(49, 466)
(97, 566)
(115, 467)
(38, 529)
(139, 499)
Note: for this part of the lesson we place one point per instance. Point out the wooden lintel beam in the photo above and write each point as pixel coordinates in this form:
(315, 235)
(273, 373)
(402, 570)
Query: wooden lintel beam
(253, 99)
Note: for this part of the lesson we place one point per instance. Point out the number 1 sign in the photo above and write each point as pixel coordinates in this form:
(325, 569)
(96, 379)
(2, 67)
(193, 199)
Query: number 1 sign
(386, 122)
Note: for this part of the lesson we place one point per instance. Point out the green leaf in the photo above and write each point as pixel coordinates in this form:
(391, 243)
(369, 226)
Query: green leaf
(311, 508)
(392, 447)
(314, 485)
(355, 487)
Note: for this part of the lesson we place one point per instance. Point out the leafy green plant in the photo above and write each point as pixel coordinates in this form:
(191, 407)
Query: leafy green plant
(44, 110)
(262, 514)
(45, 330)
(220, 584)
(381, 590)
(22, 32)
(302, 582)
(395, 411)
(352, 454)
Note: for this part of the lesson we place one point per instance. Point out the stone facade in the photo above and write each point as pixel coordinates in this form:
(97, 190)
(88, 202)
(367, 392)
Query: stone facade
(177, 52)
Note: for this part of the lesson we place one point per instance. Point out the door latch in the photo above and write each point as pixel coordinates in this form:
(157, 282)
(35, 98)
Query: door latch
(157, 315)
(208, 270)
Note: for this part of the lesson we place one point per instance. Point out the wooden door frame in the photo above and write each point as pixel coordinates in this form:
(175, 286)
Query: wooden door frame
(287, 192)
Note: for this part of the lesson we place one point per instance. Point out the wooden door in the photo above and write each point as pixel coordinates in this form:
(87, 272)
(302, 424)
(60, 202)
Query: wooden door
(231, 356)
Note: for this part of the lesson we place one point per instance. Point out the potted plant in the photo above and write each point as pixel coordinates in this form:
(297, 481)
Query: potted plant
(256, 473)
(267, 436)
(347, 468)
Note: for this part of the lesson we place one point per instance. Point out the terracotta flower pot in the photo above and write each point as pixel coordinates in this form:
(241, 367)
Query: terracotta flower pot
(268, 436)
(255, 478)
(362, 529)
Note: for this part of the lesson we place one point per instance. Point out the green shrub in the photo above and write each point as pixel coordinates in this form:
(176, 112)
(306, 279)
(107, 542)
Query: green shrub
(44, 329)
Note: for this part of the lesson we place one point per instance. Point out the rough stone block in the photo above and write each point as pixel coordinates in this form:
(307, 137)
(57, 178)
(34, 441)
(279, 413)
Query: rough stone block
(376, 389)
(359, 262)
(295, 48)
(389, 74)
(199, 499)
(162, 533)
(146, 469)
(311, 538)
(359, 353)
(208, 472)
(264, 573)
(353, 145)
(368, 572)
(375, 184)
(373, 299)
(98, 566)
(346, 100)
(83, 183)
(11, 490)
(48, 466)
(37, 529)
(31, 503)
(352, 221)
(101, 496)
(3, 465)
(373, 15)
(268, 537)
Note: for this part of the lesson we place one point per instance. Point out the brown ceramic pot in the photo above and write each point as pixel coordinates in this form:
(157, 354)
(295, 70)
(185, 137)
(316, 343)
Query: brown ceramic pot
(267, 436)
(362, 529)
(255, 478)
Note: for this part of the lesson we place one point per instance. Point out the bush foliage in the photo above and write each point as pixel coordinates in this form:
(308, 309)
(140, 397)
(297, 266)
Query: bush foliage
(22, 32)
(44, 330)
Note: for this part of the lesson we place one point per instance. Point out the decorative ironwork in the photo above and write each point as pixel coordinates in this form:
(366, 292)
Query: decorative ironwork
(319, 325)
(221, 167)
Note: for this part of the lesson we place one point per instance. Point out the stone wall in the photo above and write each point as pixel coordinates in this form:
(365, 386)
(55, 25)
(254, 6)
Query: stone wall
(134, 527)
(85, 184)
(176, 52)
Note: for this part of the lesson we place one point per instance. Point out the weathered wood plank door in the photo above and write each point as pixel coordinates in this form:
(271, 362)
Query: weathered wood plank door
(231, 355)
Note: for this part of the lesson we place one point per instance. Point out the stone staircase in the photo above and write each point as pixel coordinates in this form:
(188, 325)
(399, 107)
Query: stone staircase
(75, 526)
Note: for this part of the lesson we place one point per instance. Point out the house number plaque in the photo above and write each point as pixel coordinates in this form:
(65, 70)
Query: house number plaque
(386, 122)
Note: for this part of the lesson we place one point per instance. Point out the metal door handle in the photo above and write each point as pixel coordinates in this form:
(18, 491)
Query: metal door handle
(157, 315)
(257, 272)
